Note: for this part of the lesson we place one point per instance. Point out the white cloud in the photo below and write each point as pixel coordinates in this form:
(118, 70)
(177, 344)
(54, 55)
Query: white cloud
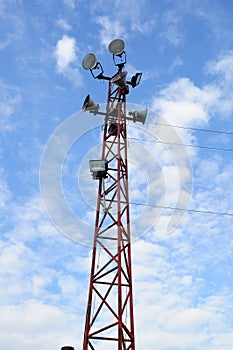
(1, 7)
(33, 276)
(223, 67)
(69, 286)
(5, 193)
(170, 307)
(63, 24)
(171, 32)
(123, 21)
(220, 186)
(180, 300)
(183, 103)
(172, 26)
(10, 100)
(134, 13)
(65, 53)
(37, 325)
(70, 4)
(66, 58)
(110, 30)
(221, 70)
(176, 63)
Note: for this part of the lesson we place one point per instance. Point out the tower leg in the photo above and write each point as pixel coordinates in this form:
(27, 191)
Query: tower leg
(109, 316)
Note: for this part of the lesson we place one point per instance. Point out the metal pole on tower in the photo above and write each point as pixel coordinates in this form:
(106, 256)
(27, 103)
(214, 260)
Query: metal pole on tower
(109, 316)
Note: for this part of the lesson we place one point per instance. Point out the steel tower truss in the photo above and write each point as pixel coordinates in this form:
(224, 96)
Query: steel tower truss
(109, 316)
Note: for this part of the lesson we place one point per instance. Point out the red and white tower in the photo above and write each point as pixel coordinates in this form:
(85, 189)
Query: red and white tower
(109, 316)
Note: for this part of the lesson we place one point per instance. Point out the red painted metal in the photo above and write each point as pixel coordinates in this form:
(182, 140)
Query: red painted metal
(109, 317)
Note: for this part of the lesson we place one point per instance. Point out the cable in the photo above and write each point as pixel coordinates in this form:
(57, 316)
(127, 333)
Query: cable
(183, 209)
(94, 299)
(193, 129)
(183, 144)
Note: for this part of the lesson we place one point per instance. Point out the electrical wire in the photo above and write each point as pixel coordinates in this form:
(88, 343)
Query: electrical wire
(187, 145)
(183, 209)
(183, 144)
(193, 129)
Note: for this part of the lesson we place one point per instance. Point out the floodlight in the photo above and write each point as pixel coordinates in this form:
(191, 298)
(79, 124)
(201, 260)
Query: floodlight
(89, 61)
(135, 80)
(139, 116)
(98, 168)
(116, 47)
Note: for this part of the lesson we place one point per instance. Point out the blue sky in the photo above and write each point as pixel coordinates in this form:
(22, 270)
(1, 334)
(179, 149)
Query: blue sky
(182, 261)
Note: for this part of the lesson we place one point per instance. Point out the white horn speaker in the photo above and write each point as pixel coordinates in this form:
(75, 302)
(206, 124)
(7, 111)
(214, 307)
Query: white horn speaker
(116, 47)
(89, 105)
(139, 116)
(120, 80)
(89, 61)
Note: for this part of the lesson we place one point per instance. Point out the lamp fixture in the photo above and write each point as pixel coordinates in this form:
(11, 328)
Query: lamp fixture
(135, 80)
(90, 63)
(98, 168)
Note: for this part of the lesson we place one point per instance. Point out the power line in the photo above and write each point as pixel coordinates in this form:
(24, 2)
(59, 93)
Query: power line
(183, 144)
(193, 129)
(183, 209)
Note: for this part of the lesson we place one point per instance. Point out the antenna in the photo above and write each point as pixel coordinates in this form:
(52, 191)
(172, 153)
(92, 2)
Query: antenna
(109, 316)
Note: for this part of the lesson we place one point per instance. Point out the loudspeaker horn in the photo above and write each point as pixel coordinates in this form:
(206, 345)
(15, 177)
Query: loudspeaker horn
(120, 80)
(89, 105)
(139, 116)
(89, 61)
(116, 47)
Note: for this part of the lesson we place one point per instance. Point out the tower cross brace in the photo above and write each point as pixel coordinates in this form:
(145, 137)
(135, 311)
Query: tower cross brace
(109, 316)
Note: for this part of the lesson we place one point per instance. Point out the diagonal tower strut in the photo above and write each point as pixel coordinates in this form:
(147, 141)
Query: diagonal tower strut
(109, 317)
